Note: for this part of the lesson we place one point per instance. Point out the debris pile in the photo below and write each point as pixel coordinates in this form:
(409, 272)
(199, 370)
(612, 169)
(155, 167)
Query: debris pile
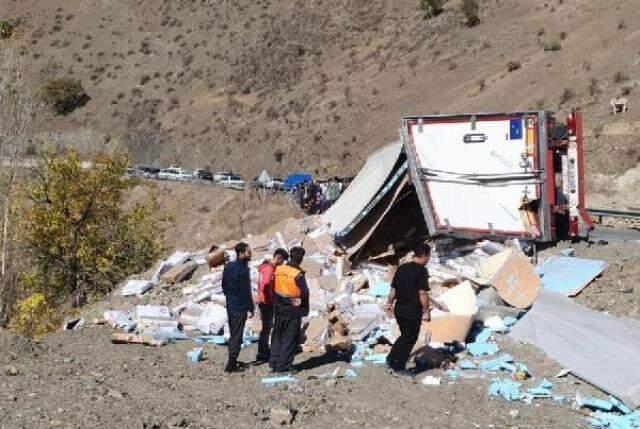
(477, 291)
(347, 300)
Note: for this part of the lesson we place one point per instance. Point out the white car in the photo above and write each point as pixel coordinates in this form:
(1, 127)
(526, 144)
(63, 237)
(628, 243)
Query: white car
(274, 184)
(174, 174)
(233, 182)
(221, 175)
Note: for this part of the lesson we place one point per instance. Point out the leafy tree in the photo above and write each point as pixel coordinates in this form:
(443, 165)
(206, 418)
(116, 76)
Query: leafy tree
(432, 8)
(64, 95)
(74, 228)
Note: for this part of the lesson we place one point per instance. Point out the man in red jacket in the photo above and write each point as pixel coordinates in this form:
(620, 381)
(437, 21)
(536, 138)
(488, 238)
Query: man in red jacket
(266, 300)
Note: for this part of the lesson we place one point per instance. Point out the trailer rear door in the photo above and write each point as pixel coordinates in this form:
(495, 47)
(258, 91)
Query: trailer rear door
(480, 175)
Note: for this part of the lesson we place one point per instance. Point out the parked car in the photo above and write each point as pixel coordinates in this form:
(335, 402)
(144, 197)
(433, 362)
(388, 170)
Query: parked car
(275, 184)
(221, 175)
(203, 175)
(233, 181)
(134, 172)
(151, 172)
(174, 174)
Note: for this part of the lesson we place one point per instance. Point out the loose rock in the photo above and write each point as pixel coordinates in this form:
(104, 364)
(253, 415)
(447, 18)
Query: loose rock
(280, 416)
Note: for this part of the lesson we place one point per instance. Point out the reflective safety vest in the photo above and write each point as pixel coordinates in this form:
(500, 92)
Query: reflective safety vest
(285, 280)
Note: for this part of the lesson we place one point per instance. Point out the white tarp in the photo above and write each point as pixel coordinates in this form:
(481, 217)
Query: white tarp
(597, 347)
(264, 177)
(363, 188)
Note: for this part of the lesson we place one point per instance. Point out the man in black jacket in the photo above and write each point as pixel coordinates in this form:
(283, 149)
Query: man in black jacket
(409, 293)
(236, 285)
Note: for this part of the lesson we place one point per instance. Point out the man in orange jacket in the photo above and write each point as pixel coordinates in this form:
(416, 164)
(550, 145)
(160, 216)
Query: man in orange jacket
(266, 300)
(292, 304)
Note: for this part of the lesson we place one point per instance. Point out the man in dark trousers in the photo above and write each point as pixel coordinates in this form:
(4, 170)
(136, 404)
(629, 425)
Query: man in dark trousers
(292, 304)
(266, 300)
(409, 292)
(236, 285)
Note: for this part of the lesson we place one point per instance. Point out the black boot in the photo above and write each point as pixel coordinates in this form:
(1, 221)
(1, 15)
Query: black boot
(232, 365)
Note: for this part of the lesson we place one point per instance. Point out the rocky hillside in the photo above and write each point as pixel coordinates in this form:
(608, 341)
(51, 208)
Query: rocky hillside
(289, 84)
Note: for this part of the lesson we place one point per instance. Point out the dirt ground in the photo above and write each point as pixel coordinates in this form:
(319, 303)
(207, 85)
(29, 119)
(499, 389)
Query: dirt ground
(79, 379)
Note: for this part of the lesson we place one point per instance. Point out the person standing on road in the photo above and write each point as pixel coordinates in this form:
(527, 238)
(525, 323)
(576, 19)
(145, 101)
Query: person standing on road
(266, 300)
(409, 293)
(333, 192)
(292, 304)
(236, 286)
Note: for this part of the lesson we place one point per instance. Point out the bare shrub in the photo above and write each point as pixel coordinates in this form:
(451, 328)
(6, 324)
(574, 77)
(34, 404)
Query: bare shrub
(470, 10)
(567, 95)
(594, 86)
(6, 29)
(620, 77)
(553, 46)
(431, 8)
(513, 66)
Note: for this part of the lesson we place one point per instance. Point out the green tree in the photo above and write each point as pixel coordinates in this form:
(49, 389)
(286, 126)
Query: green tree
(80, 239)
(64, 95)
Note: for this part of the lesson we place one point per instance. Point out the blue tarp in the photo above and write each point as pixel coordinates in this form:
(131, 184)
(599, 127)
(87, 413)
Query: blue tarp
(381, 288)
(567, 275)
(481, 349)
(296, 178)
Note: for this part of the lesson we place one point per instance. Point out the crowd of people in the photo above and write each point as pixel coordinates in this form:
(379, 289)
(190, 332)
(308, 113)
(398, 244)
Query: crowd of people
(316, 197)
(283, 300)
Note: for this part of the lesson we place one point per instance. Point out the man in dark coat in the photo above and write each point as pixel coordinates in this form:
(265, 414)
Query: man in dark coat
(236, 285)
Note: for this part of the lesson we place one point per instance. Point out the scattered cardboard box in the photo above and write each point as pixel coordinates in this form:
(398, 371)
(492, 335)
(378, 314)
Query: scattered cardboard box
(311, 268)
(448, 328)
(179, 272)
(516, 281)
(328, 282)
(147, 340)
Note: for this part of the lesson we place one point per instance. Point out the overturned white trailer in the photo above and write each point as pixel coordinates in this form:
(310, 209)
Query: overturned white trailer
(493, 175)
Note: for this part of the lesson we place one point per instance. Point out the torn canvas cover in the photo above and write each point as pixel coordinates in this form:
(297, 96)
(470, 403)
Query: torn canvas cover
(363, 188)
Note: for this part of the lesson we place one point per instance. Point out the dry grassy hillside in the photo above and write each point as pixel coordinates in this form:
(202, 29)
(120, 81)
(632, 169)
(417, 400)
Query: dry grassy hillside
(285, 84)
(201, 215)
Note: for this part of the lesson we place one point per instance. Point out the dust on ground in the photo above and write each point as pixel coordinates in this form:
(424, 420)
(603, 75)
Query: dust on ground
(78, 379)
